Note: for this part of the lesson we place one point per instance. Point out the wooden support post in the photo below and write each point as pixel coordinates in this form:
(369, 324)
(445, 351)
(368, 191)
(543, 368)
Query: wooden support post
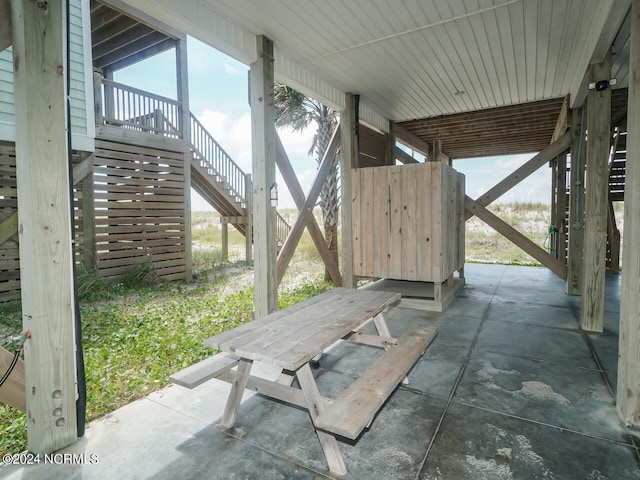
(613, 234)
(561, 207)
(46, 260)
(98, 104)
(90, 254)
(576, 205)
(264, 178)
(225, 241)
(595, 233)
(347, 161)
(109, 105)
(248, 235)
(391, 144)
(628, 390)
(554, 190)
(182, 77)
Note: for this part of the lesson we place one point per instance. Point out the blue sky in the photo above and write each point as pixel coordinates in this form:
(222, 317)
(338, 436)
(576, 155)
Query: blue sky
(218, 97)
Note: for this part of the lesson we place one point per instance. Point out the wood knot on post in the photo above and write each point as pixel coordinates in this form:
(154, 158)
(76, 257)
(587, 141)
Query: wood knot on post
(42, 5)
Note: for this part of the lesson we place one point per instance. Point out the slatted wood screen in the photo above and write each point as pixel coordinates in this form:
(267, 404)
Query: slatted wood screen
(139, 209)
(9, 256)
(408, 222)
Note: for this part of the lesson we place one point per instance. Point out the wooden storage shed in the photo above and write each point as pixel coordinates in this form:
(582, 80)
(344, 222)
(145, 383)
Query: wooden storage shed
(408, 222)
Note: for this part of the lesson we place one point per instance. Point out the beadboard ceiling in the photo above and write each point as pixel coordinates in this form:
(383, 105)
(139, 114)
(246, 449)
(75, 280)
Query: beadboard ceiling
(417, 62)
(418, 58)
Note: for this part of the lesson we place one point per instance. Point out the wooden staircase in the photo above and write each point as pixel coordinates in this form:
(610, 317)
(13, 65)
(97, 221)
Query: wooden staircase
(221, 182)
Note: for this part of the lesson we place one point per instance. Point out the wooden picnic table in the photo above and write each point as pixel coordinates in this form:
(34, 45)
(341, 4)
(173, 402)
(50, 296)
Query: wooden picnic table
(291, 338)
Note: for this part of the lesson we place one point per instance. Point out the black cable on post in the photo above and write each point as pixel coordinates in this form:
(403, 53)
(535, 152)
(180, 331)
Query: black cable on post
(81, 402)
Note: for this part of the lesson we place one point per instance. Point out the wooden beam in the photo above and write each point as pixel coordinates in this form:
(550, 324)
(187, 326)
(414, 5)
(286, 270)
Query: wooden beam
(576, 205)
(9, 228)
(348, 154)
(182, 83)
(628, 388)
(5, 24)
(46, 259)
(411, 140)
(82, 169)
(595, 231)
(263, 135)
(391, 144)
(516, 237)
(290, 244)
(290, 178)
(524, 171)
(561, 124)
(404, 157)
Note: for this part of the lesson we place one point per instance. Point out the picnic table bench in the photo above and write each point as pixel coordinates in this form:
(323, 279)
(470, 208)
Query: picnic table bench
(291, 338)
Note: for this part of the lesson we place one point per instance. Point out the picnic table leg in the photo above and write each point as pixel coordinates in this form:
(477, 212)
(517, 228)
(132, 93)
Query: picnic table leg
(381, 325)
(235, 395)
(383, 329)
(316, 407)
(286, 377)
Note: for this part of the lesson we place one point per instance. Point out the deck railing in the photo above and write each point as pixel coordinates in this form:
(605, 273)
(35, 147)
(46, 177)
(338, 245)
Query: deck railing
(127, 107)
(130, 108)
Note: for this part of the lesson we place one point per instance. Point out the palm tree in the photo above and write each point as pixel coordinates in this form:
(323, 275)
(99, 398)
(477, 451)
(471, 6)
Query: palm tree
(297, 111)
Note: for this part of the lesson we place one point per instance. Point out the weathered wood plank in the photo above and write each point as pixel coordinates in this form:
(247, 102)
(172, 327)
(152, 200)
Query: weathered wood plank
(203, 371)
(576, 206)
(316, 407)
(366, 214)
(408, 226)
(395, 222)
(412, 141)
(237, 390)
(355, 408)
(347, 162)
(437, 211)
(356, 222)
(380, 223)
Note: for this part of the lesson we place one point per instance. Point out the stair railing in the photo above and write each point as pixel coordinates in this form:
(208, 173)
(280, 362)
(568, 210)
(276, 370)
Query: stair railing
(217, 160)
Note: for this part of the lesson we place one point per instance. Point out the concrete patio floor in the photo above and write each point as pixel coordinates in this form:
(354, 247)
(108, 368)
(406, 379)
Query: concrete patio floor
(509, 389)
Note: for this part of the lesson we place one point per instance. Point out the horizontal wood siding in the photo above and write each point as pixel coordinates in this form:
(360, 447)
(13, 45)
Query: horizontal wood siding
(139, 209)
(9, 256)
(77, 80)
(408, 222)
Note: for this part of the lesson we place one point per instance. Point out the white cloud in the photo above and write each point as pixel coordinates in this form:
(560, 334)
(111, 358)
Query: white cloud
(230, 69)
